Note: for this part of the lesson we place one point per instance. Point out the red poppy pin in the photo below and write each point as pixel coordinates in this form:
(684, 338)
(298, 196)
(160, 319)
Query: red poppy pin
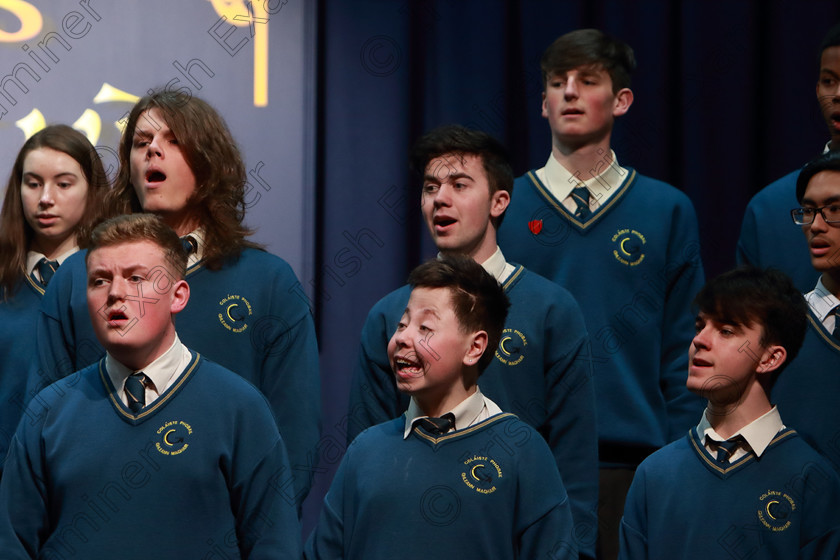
(535, 226)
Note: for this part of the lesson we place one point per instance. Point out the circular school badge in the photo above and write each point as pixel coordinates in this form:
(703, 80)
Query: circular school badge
(481, 474)
(511, 350)
(235, 312)
(775, 510)
(628, 247)
(172, 437)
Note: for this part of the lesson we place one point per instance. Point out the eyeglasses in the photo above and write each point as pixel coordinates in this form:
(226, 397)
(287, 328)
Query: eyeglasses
(806, 216)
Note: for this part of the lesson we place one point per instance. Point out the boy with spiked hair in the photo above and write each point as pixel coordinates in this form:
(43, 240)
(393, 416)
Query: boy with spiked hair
(740, 484)
(540, 369)
(153, 450)
(454, 477)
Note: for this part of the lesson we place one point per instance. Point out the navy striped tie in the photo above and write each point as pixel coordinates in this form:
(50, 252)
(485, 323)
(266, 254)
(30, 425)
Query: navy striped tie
(727, 448)
(581, 197)
(135, 390)
(46, 268)
(439, 425)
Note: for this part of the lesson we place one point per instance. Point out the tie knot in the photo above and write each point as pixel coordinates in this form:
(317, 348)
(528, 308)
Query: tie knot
(725, 449)
(135, 391)
(46, 269)
(189, 244)
(439, 425)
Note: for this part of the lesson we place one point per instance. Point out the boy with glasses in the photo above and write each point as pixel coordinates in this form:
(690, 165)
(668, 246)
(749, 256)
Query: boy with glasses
(807, 393)
(763, 242)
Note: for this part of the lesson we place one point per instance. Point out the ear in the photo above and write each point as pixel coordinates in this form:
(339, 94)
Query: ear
(180, 295)
(478, 344)
(623, 100)
(498, 203)
(544, 106)
(772, 359)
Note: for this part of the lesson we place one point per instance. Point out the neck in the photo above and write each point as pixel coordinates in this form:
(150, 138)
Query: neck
(728, 417)
(181, 223)
(136, 360)
(583, 159)
(53, 248)
(834, 145)
(831, 281)
(480, 254)
(438, 406)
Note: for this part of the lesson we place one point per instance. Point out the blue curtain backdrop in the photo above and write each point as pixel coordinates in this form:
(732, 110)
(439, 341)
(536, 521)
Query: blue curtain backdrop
(724, 104)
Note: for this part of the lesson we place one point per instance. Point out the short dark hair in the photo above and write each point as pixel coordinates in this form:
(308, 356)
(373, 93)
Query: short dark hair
(766, 297)
(460, 141)
(589, 47)
(831, 39)
(829, 161)
(479, 301)
(130, 228)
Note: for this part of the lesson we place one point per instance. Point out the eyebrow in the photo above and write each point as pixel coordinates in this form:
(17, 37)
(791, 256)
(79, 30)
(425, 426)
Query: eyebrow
(36, 175)
(828, 71)
(455, 175)
(423, 311)
(829, 200)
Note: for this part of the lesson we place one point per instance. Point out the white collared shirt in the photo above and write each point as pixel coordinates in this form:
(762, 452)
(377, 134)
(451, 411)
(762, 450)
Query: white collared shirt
(496, 266)
(33, 257)
(758, 434)
(603, 180)
(822, 303)
(162, 372)
(468, 412)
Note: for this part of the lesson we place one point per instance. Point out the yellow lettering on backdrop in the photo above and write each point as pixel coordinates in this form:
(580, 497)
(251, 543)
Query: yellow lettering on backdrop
(238, 14)
(30, 18)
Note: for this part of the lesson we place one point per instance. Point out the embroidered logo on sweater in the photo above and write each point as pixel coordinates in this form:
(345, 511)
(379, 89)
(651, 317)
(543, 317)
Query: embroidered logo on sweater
(775, 510)
(172, 437)
(628, 247)
(481, 474)
(235, 312)
(511, 350)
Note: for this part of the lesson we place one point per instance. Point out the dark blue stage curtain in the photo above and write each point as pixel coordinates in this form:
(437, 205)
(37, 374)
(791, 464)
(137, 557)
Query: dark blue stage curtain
(724, 104)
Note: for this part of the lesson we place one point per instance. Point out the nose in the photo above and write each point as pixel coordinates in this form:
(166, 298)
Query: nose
(443, 197)
(571, 90)
(400, 337)
(47, 196)
(155, 147)
(701, 338)
(819, 224)
(116, 291)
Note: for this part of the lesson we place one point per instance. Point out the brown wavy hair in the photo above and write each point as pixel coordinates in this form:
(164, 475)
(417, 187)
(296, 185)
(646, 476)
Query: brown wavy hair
(211, 153)
(15, 233)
